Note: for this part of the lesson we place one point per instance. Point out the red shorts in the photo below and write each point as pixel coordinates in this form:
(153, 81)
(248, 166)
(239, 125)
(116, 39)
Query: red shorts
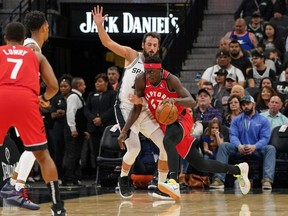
(184, 146)
(20, 108)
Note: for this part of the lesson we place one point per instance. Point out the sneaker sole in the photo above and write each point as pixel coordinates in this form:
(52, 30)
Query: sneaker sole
(53, 213)
(216, 187)
(246, 179)
(155, 195)
(15, 203)
(161, 203)
(162, 187)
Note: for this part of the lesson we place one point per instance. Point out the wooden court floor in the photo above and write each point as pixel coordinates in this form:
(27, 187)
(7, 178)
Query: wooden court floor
(92, 200)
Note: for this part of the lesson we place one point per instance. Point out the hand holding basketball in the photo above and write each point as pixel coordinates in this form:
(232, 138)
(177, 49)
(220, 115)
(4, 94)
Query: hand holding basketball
(166, 113)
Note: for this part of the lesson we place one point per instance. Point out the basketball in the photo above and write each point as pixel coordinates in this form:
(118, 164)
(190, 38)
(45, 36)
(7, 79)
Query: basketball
(166, 114)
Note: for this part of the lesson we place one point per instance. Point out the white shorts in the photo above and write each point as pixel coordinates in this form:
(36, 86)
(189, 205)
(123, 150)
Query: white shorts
(145, 124)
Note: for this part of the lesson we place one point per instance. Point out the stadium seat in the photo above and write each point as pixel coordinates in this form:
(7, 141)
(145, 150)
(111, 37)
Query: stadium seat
(109, 148)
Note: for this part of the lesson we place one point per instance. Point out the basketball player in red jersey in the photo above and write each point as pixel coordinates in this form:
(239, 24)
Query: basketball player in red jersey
(159, 86)
(19, 80)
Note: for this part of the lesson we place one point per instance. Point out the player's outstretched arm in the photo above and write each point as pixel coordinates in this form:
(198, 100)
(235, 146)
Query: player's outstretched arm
(124, 51)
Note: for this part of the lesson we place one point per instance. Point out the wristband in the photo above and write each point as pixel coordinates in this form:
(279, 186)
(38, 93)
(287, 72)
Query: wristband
(124, 131)
(43, 98)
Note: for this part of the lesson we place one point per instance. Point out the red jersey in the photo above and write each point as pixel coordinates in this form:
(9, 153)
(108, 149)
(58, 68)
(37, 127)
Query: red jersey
(19, 68)
(155, 94)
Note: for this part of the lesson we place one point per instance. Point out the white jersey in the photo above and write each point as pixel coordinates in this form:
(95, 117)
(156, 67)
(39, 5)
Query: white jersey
(146, 123)
(128, 80)
(31, 41)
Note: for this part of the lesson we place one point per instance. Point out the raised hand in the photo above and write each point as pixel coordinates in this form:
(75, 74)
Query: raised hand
(97, 15)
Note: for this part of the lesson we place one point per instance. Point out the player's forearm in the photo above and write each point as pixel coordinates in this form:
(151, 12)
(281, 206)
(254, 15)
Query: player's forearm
(186, 102)
(104, 37)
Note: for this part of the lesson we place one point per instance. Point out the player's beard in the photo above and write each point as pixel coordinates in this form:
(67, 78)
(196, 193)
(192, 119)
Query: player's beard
(146, 54)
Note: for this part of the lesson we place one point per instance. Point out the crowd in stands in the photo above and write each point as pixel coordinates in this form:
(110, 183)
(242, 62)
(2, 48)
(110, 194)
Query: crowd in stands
(249, 81)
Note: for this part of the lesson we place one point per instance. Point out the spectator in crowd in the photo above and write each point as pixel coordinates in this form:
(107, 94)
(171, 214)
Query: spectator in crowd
(233, 109)
(268, 62)
(273, 114)
(272, 40)
(275, 56)
(99, 111)
(246, 39)
(248, 7)
(74, 133)
(239, 90)
(58, 114)
(265, 81)
(264, 97)
(284, 74)
(224, 44)
(209, 87)
(239, 57)
(220, 81)
(285, 110)
(204, 112)
(255, 26)
(212, 139)
(113, 76)
(223, 61)
(249, 137)
(224, 95)
(279, 13)
(259, 70)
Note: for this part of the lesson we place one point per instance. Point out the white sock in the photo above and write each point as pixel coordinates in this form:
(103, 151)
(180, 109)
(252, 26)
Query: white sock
(124, 173)
(162, 176)
(19, 186)
(12, 181)
(26, 162)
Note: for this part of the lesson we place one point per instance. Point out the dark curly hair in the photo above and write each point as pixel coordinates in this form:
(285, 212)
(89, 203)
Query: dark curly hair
(33, 20)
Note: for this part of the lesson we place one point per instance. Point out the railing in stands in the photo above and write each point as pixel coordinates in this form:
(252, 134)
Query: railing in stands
(18, 13)
(176, 45)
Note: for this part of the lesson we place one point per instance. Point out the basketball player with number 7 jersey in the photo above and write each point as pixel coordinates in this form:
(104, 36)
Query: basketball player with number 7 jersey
(20, 89)
(36, 23)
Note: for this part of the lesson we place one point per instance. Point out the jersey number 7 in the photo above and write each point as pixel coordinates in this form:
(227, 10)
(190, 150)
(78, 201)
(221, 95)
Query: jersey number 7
(17, 66)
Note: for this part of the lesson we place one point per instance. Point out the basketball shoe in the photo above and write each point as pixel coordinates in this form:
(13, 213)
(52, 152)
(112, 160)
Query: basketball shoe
(152, 185)
(6, 190)
(171, 188)
(124, 187)
(20, 199)
(160, 195)
(58, 209)
(243, 179)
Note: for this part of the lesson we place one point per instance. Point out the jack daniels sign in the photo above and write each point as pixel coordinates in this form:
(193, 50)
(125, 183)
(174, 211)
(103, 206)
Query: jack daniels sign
(123, 19)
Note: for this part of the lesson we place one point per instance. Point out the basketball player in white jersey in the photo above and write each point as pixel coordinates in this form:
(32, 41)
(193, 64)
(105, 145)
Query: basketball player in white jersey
(146, 124)
(38, 26)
